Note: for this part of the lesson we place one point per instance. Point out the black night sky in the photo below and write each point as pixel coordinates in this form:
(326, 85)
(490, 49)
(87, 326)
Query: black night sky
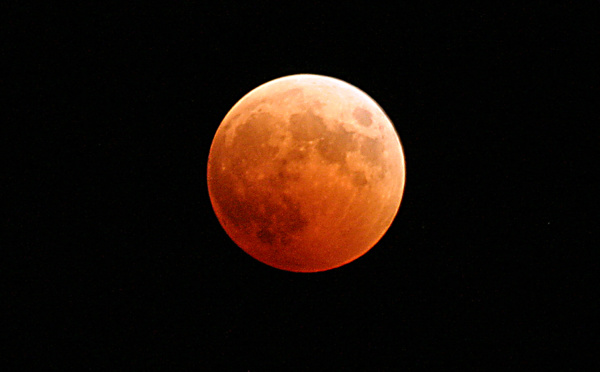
(114, 258)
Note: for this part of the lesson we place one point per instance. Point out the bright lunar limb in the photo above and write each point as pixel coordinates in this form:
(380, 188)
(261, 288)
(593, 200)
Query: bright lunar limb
(306, 173)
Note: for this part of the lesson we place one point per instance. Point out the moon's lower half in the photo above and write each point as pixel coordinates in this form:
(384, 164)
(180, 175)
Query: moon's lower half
(306, 173)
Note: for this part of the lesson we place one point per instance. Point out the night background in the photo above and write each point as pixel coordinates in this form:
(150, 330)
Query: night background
(114, 258)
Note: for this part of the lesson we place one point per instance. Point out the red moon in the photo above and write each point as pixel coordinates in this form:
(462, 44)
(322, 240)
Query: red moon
(306, 173)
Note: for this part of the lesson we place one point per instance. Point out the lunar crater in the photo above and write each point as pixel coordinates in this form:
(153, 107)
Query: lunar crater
(362, 116)
(306, 126)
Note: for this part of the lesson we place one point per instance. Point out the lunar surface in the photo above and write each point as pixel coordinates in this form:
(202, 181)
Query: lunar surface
(306, 173)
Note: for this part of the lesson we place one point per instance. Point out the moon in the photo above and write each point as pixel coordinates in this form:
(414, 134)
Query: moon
(306, 173)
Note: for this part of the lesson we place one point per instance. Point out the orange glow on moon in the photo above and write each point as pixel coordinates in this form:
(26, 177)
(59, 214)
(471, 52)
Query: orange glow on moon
(306, 173)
